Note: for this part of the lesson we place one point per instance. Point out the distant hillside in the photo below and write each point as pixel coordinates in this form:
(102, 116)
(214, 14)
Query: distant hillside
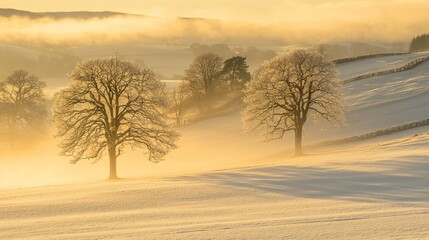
(7, 12)
(353, 49)
(41, 63)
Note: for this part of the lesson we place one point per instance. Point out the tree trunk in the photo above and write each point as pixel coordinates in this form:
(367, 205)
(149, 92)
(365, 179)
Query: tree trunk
(112, 159)
(298, 141)
(208, 103)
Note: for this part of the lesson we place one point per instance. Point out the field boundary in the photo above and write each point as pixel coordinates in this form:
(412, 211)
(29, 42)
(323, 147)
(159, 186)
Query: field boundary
(351, 59)
(405, 67)
(376, 133)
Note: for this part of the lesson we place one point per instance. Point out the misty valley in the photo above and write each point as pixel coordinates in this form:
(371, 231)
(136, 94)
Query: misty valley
(203, 120)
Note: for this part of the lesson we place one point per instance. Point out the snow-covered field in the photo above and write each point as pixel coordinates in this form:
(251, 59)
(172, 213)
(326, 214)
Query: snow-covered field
(375, 191)
(382, 102)
(375, 64)
(224, 184)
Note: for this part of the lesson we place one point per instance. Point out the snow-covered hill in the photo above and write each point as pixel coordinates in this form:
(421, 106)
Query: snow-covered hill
(224, 184)
(370, 192)
(375, 64)
(382, 102)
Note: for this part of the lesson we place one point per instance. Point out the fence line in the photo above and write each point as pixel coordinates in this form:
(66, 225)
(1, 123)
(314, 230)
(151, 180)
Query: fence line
(406, 67)
(351, 59)
(376, 133)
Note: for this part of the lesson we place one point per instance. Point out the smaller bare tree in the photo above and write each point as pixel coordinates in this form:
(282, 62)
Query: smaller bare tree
(22, 102)
(202, 77)
(288, 89)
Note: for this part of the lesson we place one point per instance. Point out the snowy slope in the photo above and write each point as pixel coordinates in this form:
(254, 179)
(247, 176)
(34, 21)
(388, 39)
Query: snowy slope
(375, 64)
(385, 101)
(376, 191)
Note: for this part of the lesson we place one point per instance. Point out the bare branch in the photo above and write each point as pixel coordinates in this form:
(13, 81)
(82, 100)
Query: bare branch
(112, 104)
(289, 88)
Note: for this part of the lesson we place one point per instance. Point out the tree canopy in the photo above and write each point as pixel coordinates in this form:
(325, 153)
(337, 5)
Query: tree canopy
(288, 89)
(419, 43)
(22, 101)
(236, 71)
(202, 78)
(112, 104)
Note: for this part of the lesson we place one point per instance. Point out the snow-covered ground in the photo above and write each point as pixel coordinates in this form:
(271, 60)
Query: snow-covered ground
(375, 64)
(382, 102)
(375, 191)
(224, 184)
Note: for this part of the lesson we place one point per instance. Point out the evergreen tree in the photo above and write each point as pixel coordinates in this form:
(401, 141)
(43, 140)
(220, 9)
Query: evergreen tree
(235, 71)
(420, 43)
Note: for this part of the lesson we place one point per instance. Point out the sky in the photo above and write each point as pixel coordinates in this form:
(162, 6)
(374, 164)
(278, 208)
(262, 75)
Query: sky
(247, 10)
(287, 20)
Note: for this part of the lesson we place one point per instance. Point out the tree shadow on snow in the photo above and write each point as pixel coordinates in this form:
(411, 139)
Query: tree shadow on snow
(405, 180)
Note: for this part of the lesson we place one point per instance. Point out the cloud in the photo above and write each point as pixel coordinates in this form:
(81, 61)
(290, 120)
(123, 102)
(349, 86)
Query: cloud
(287, 22)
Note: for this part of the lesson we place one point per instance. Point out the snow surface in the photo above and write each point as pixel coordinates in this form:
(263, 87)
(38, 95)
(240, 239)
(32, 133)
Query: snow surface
(375, 191)
(382, 102)
(375, 64)
(224, 184)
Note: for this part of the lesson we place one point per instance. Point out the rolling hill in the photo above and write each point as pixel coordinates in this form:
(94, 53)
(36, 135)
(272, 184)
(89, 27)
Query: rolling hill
(8, 12)
(224, 184)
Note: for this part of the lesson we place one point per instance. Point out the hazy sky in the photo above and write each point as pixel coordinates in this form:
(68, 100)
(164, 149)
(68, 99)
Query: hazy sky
(291, 20)
(266, 10)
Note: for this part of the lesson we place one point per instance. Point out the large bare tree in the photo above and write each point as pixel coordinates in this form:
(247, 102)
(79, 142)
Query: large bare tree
(112, 104)
(202, 77)
(286, 90)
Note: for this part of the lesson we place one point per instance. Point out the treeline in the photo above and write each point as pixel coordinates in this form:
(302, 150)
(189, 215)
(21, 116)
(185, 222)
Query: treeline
(420, 43)
(206, 80)
(114, 105)
(254, 56)
(25, 109)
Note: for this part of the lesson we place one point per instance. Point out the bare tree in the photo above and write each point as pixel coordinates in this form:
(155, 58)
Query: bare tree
(289, 88)
(113, 104)
(179, 96)
(202, 77)
(22, 102)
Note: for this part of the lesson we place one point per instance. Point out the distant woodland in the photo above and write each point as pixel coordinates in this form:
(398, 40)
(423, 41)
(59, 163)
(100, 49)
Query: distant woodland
(420, 43)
